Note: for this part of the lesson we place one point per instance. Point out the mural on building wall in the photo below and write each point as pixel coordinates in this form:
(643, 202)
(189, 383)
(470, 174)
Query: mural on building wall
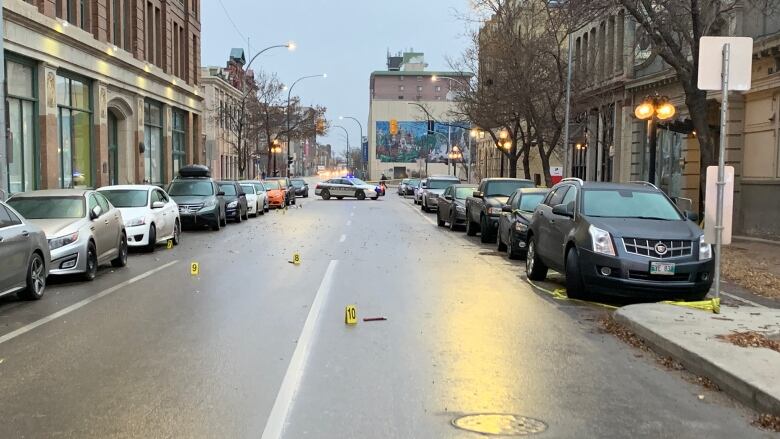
(413, 142)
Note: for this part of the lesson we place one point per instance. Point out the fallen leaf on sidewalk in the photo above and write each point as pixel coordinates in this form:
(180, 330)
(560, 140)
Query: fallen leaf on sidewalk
(767, 422)
(751, 339)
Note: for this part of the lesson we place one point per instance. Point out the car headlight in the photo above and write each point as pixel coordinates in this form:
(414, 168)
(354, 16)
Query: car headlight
(705, 250)
(136, 222)
(211, 202)
(460, 209)
(62, 241)
(521, 227)
(232, 204)
(494, 211)
(602, 241)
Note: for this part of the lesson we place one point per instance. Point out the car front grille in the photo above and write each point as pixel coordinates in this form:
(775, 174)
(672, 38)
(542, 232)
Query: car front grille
(190, 208)
(643, 275)
(653, 248)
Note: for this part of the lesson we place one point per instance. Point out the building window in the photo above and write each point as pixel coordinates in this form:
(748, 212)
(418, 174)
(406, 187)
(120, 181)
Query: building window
(419, 89)
(153, 125)
(75, 139)
(116, 23)
(21, 104)
(179, 136)
(84, 14)
(400, 98)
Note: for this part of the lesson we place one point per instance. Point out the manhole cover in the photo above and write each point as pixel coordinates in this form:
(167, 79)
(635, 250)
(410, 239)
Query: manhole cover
(500, 425)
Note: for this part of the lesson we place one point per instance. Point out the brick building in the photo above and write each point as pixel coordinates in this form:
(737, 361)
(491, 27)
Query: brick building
(101, 91)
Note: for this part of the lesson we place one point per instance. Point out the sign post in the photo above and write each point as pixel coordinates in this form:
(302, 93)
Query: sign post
(724, 64)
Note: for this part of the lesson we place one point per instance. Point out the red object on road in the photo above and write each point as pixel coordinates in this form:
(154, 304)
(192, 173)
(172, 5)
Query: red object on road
(374, 319)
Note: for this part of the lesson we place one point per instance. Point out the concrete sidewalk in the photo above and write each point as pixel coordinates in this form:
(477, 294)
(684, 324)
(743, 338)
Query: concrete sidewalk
(751, 375)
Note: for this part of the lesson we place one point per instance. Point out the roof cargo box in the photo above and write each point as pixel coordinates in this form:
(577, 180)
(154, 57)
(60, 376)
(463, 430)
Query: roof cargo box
(195, 171)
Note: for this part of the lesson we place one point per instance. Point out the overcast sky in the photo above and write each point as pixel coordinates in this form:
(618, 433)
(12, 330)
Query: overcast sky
(347, 39)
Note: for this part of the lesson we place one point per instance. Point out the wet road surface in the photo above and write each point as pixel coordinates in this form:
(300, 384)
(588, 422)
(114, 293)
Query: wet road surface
(257, 347)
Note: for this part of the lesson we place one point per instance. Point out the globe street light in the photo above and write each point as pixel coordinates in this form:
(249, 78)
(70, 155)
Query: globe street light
(289, 94)
(347, 133)
(365, 165)
(653, 109)
(504, 143)
(276, 148)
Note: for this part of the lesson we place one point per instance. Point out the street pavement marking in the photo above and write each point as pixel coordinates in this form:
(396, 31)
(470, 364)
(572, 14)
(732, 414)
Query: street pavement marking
(343, 238)
(349, 223)
(277, 420)
(423, 215)
(27, 328)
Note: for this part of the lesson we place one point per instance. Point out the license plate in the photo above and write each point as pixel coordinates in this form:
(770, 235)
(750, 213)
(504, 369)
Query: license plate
(662, 268)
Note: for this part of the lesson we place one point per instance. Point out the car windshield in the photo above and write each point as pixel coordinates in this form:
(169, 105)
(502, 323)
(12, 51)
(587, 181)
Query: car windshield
(49, 207)
(462, 193)
(248, 189)
(441, 184)
(272, 185)
(127, 197)
(529, 202)
(298, 183)
(228, 188)
(505, 188)
(259, 187)
(628, 203)
(191, 188)
(357, 181)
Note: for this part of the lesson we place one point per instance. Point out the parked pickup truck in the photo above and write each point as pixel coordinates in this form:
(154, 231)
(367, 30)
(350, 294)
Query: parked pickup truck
(483, 208)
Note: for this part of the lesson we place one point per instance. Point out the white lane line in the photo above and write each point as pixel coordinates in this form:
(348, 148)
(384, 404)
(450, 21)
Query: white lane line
(343, 238)
(27, 328)
(349, 223)
(277, 420)
(423, 215)
(742, 299)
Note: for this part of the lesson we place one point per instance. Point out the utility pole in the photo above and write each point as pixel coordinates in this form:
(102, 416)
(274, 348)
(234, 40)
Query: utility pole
(3, 129)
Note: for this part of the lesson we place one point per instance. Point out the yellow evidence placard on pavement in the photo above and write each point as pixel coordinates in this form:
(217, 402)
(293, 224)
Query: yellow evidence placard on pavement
(170, 244)
(350, 315)
(194, 269)
(296, 258)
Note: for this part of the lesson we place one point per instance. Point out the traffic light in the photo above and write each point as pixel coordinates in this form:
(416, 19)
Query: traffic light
(393, 127)
(431, 126)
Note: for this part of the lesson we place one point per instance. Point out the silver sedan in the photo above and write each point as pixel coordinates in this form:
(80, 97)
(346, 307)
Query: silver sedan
(83, 229)
(25, 255)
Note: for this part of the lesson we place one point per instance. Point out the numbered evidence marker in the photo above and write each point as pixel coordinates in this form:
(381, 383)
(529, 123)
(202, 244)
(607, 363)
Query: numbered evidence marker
(170, 244)
(350, 315)
(296, 258)
(194, 269)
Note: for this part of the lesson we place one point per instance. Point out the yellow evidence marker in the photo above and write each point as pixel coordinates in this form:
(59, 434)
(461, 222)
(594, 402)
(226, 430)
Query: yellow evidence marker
(170, 244)
(350, 315)
(194, 269)
(296, 258)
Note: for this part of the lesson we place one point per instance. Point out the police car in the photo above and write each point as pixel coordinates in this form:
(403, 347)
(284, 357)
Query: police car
(346, 187)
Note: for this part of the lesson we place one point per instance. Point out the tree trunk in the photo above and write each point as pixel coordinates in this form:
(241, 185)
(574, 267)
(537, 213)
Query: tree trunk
(696, 101)
(526, 163)
(513, 158)
(545, 158)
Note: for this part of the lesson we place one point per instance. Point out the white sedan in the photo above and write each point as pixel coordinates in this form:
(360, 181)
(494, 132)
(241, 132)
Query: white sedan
(346, 187)
(256, 197)
(151, 216)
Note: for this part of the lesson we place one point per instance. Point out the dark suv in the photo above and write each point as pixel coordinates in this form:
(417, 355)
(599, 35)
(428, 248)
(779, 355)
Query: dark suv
(484, 207)
(235, 200)
(199, 199)
(618, 239)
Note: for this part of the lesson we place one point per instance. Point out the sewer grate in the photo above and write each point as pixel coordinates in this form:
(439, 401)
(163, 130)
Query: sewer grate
(500, 424)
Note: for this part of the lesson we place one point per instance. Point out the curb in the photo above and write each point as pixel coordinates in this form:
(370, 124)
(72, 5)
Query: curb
(750, 394)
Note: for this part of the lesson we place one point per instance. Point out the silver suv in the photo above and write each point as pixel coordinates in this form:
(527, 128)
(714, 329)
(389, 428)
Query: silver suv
(429, 197)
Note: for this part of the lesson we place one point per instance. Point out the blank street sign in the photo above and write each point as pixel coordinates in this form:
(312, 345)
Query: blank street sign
(711, 62)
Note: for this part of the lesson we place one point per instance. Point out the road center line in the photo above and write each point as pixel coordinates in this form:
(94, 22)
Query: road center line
(29, 327)
(277, 420)
(343, 238)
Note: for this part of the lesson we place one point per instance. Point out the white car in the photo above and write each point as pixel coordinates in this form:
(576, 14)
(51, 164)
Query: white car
(256, 197)
(151, 216)
(346, 187)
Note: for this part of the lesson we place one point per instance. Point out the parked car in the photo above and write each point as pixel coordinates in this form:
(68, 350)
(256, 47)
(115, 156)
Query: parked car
(403, 186)
(452, 205)
(199, 198)
(483, 208)
(429, 198)
(25, 255)
(408, 188)
(151, 216)
(619, 239)
(262, 194)
(515, 216)
(300, 187)
(276, 194)
(418, 190)
(82, 227)
(255, 197)
(346, 187)
(289, 191)
(235, 200)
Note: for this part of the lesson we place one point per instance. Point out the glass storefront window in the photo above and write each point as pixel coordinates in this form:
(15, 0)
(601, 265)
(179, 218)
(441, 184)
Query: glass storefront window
(75, 138)
(179, 134)
(21, 103)
(153, 132)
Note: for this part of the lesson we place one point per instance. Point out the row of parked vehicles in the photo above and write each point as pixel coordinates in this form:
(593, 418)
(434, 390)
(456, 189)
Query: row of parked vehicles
(73, 231)
(628, 240)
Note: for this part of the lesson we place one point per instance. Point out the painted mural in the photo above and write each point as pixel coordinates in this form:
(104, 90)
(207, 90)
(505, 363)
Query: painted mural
(413, 142)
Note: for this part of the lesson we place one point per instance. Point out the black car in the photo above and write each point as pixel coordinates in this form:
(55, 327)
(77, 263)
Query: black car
(452, 205)
(618, 239)
(289, 190)
(235, 200)
(199, 198)
(515, 216)
(300, 187)
(484, 208)
(410, 186)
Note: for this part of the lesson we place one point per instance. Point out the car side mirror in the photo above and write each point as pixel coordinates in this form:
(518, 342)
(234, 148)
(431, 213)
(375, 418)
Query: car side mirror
(95, 212)
(220, 194)
(506, 208)
(448, 197)
(476, 194)
(158, 205)
(562, 210)
(693, 216)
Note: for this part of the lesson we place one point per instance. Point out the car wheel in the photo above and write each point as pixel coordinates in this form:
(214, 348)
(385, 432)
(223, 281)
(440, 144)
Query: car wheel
(534, 267)
(486, 236)
(375, 198)
(121, 258)
(237, 219)
(501, 246)
(223, 219)
(152, 239)
(471, 226)
(36, 279)
(266, 208)
(177, 233)
(92, 262)
(512, 251)
(325, 194)
(293, 200)
(217, 225)
(575, 288)
(452, 221)
(246, 214)
(440, 222)
(360, 195)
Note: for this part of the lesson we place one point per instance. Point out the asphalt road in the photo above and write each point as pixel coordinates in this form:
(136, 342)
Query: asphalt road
(257, 347)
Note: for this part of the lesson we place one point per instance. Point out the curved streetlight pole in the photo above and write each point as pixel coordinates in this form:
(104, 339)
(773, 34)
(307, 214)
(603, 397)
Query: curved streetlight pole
(289, 95)
(347, 133)
(365, 165)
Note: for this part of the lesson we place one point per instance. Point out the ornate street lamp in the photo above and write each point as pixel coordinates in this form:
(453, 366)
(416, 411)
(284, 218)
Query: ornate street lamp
(276, 148)
(505, 144)
(653, 109)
